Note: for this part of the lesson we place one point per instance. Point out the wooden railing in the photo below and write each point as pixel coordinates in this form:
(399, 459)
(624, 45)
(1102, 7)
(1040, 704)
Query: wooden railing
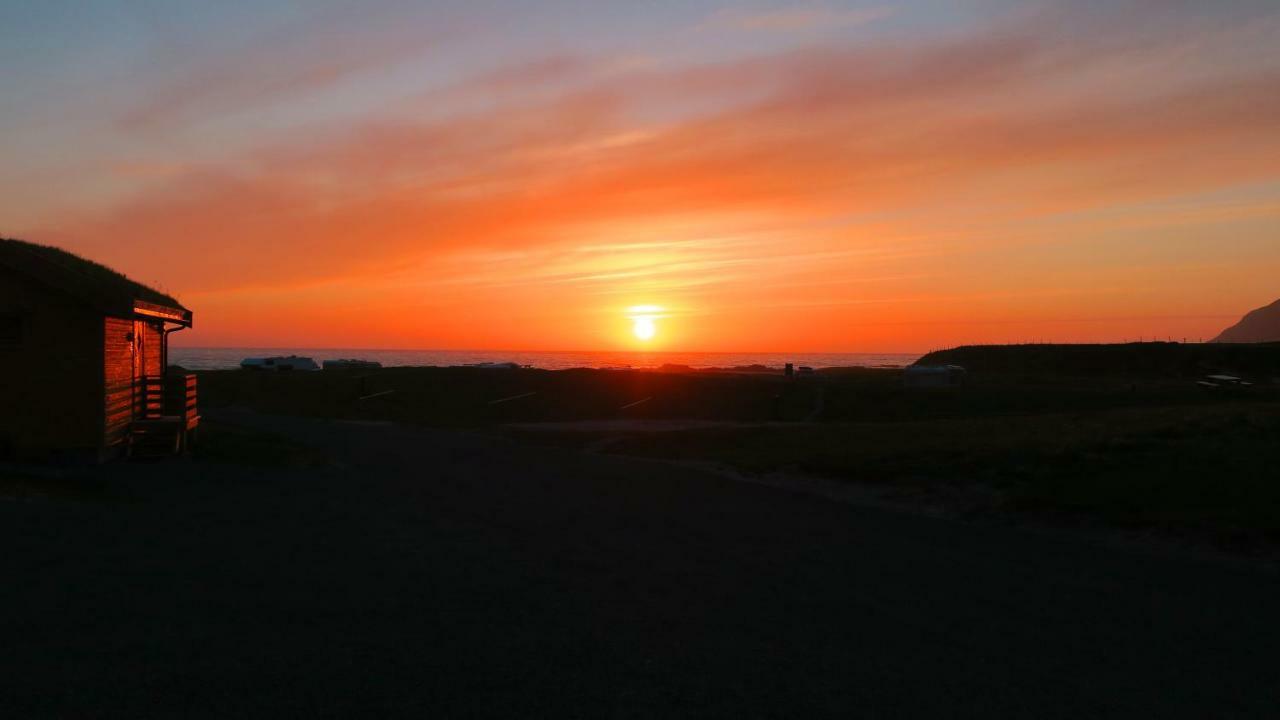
(173, 396)
(151, 397)
(181, 399)
(167, 416)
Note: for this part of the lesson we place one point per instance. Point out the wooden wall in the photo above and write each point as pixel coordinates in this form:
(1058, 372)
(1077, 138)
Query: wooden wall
(51, 379)
(131, 350)
(121, 396)
(151, 346)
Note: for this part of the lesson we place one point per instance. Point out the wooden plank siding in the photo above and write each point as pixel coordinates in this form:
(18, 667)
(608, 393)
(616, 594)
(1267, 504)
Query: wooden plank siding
(132, 354)
(120, 393)
(153, 339)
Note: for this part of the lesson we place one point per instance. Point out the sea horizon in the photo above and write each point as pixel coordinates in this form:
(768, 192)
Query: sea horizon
(225, 358)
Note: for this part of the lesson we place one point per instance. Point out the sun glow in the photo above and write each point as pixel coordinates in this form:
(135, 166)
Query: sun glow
(643, 321)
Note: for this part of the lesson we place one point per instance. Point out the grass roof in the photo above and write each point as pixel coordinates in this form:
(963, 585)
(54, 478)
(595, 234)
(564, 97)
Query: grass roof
(78, 276)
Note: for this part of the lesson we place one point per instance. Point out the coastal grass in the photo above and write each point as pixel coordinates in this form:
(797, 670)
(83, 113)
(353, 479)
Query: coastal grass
(1198, 468)
(476, 397)
(1130, 449)
(1144, 359)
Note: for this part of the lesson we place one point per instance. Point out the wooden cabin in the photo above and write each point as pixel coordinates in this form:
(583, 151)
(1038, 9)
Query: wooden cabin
(83, 358)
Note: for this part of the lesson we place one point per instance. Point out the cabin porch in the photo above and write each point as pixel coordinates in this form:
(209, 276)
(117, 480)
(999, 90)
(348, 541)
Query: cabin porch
(167, 416)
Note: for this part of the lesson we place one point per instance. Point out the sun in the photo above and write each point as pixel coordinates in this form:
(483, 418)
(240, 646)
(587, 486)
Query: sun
(644, 321)
(643, 328)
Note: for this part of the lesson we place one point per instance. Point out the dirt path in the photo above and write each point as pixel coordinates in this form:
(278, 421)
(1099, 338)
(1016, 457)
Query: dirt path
(452, 574)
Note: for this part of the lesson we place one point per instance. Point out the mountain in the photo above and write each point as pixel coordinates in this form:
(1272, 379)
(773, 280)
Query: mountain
(1261, 325)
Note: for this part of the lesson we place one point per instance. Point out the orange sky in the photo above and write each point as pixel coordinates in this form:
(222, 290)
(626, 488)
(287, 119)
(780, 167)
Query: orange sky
(829, 178)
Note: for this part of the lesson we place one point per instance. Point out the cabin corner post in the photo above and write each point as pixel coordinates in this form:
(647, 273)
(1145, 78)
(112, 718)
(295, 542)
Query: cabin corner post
(104, 401)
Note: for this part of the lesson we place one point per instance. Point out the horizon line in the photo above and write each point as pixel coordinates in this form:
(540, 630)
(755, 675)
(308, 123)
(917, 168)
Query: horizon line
(501, 350)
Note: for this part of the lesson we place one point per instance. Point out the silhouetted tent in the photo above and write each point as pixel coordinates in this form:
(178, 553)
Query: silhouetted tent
(83, 352)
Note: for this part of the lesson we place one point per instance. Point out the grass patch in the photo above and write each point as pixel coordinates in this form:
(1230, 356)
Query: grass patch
(1132, 443)
(1173, 468)
(464, 397)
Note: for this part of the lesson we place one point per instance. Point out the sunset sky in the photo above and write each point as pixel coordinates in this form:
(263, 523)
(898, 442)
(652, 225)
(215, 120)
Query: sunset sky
(491, 174)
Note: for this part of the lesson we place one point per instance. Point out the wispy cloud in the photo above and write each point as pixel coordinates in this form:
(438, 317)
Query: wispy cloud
(279, 65)
(793, 18)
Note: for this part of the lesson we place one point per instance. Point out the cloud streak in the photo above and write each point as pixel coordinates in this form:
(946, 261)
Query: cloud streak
(312, 54)
(793, 18)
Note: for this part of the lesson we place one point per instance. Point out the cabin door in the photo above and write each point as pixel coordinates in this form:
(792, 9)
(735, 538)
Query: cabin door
(139, 351)
(147, 370)
(139, 369)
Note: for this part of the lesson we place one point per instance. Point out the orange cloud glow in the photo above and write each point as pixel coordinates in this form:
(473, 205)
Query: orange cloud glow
(1024, 182)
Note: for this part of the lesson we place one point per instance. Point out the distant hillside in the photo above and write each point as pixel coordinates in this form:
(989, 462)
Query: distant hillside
(1129, 359)
(1261, 325)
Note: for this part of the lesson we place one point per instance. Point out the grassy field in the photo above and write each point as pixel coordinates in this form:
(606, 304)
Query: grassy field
(472, 397)
(1145, 359)
(1142, 448)
(1173, 468)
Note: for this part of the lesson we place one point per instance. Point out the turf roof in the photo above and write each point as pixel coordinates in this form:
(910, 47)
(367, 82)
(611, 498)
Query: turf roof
(78, 276)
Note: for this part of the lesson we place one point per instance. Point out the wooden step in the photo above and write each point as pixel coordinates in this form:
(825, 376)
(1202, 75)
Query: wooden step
(155, 438)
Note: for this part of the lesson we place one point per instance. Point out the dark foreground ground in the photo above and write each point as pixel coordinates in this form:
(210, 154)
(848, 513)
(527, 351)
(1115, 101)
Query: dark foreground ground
(372, 569)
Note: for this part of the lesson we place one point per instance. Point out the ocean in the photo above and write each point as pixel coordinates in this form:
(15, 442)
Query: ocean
(194, 358)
